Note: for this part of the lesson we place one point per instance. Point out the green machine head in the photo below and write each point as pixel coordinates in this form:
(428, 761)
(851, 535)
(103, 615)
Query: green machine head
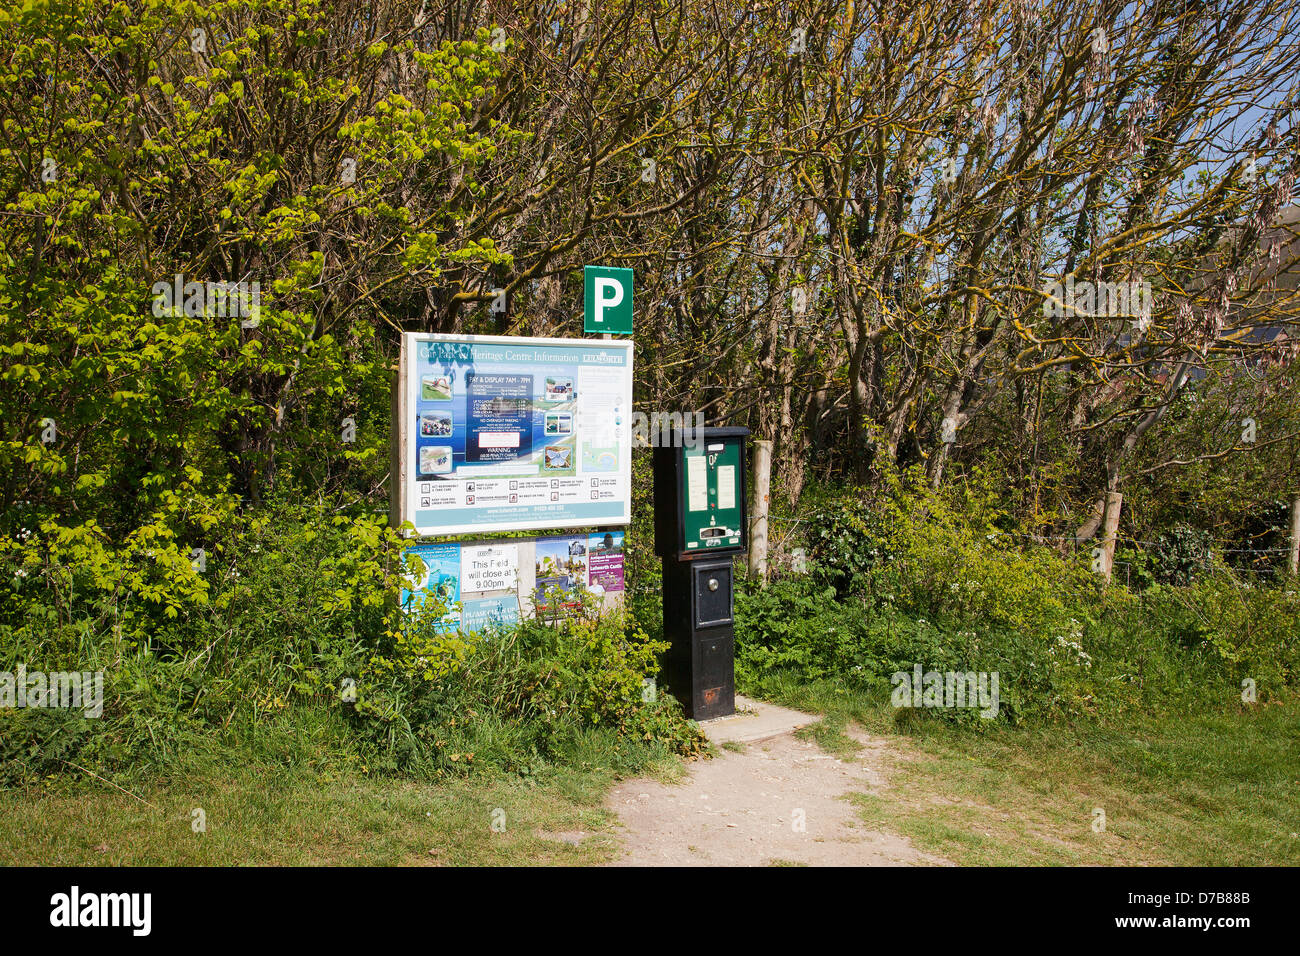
(700, 507)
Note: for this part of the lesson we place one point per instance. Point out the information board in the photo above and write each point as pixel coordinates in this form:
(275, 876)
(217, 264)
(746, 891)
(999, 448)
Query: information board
(506, 433)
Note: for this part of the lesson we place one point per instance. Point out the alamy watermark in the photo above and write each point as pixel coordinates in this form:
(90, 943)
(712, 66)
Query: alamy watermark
(947, 689)
(1101, 299)
(75, 909)
(66, 690)
(668, 430)
(221, 300)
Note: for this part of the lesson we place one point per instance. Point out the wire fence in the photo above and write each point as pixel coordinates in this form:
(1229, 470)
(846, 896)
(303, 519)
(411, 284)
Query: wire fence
(1264, 561)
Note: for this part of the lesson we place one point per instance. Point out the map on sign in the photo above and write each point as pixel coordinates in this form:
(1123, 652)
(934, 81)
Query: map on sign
(516, 433)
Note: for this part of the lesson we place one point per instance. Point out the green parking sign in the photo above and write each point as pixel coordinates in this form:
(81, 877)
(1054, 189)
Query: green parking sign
(607, 300)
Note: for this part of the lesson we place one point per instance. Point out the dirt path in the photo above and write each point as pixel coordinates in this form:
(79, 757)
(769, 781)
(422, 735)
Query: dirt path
(745, 808)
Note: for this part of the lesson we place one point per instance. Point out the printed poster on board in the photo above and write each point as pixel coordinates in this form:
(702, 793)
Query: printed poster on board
(440, 581)
(561, 574)
(488, 614)
(489, 567)
(605, 562)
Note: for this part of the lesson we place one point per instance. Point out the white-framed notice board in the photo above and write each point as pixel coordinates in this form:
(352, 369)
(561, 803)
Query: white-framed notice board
(504, 433)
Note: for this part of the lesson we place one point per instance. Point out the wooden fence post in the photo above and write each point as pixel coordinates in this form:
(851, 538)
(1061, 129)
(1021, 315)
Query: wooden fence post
(1109, 525)
(1293, 559)
(397, 438)
(758, 516)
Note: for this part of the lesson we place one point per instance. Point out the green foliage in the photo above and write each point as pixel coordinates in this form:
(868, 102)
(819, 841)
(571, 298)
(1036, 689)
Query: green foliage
(790, 629)
(37, 743)
(290, 616)
(510, 700)
(945, 554)
(1254, 629)
(177, 504)
(844, 539)
(936, 581)
(133, 421)
(1179, 553)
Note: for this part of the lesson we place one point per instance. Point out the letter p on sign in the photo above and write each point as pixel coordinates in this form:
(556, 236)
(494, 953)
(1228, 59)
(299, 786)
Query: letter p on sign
(608, 300)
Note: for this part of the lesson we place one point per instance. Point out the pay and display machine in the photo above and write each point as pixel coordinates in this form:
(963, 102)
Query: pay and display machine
(701, 526)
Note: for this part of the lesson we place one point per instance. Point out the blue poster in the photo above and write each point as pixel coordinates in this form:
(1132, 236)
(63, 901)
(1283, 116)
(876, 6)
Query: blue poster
(473, 411)
(499, 407)
(489, 614)
(440, 581)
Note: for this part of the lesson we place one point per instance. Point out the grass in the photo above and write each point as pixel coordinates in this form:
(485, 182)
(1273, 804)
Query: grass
(290, 801)
(829, 734)
(1219, 788)
(1215, 789)
(287, 818)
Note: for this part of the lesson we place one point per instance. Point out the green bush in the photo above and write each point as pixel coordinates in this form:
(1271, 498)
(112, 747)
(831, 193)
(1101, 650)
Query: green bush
(515, 697)
(287, 615)
(1253, 629)
(794, 628)
(944, 553)
(1180, 553)
(937, 579)
(844, 541)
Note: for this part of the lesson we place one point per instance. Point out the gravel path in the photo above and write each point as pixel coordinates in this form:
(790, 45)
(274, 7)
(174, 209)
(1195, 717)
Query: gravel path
(780, 800)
